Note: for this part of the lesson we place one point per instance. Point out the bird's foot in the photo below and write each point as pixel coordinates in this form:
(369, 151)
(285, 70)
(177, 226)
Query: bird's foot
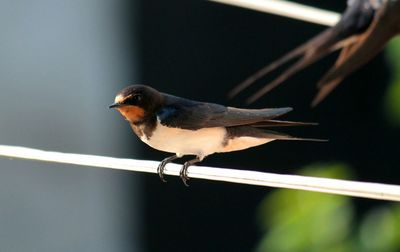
(183, 172)
(161, 166)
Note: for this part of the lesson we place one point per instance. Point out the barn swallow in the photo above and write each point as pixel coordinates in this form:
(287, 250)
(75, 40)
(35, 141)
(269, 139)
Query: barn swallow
(186, 127)
(362, 32)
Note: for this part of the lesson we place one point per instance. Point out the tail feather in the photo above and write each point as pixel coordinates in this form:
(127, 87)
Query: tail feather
(282, 136)
(278, 123)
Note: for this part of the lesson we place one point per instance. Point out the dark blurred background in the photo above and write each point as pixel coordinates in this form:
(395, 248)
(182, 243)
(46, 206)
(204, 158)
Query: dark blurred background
(63, 62)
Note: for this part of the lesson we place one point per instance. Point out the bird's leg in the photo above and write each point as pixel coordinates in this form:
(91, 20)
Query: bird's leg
(183, 171)
(160, 168)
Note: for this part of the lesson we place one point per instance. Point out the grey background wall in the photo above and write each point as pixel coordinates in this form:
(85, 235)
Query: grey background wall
(61, 62)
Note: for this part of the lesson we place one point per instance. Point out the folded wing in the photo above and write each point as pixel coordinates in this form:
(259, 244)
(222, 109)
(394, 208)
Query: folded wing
(187, 114)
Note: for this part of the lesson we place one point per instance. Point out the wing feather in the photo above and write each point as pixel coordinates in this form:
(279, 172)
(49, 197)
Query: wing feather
(187, 114)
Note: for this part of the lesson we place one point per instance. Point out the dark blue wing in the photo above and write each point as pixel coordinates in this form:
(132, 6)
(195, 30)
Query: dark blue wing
(187, 114)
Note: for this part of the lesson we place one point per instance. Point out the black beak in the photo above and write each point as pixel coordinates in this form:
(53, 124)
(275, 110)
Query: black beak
(114, 105)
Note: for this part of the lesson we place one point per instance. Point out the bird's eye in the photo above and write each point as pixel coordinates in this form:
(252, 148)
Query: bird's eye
(134, 99)
(137, 97)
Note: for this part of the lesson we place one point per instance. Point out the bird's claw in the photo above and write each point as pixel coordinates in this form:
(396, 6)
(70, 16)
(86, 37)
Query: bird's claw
(183, 174)
(160, 171)
(161, 166)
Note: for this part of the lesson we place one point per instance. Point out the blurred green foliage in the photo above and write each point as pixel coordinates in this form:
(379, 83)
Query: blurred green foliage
(296, 220)
(392, 101)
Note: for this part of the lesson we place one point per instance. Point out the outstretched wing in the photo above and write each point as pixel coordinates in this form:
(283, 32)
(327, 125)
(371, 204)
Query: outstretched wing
(385, 26)
(355, 21)
(186, 114)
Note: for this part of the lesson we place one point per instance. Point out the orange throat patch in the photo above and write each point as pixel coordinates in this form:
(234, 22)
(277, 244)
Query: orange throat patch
(132, 114)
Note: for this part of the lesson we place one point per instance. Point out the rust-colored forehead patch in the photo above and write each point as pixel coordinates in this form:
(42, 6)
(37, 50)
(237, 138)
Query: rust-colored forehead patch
(131, 113)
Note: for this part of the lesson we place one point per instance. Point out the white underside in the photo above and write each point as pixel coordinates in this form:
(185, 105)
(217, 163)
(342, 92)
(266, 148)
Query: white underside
(202, 142)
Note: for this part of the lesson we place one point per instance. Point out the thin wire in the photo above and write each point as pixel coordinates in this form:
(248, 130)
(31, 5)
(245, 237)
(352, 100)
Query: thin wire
(325, 185)
(287, 9)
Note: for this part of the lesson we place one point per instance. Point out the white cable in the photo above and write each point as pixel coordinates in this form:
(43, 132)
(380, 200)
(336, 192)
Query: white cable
(287, 9)
(335, 186)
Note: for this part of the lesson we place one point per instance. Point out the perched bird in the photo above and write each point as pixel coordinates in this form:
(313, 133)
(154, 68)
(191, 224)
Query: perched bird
(186, 127)
(364, 29)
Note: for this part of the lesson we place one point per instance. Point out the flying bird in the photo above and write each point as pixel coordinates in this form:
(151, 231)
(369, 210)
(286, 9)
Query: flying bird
(362, 32)
(186, 127)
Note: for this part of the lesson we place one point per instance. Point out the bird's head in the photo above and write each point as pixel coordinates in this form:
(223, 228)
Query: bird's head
(137, 102)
